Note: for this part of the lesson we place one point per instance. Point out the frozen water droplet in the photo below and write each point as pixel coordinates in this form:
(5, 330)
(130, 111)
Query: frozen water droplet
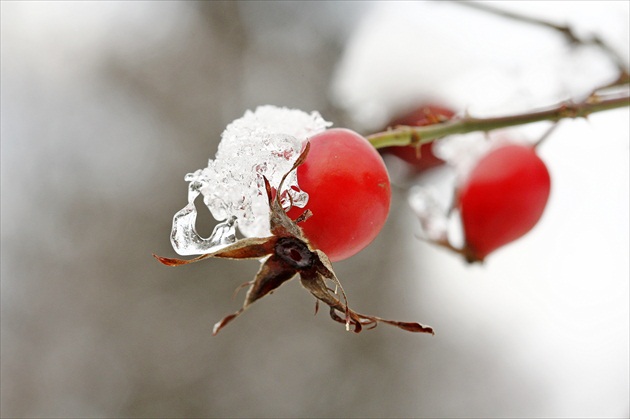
(186, 241)
(263, 143)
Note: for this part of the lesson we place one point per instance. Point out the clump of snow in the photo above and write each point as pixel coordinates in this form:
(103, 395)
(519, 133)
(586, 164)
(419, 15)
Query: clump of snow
(265, 142)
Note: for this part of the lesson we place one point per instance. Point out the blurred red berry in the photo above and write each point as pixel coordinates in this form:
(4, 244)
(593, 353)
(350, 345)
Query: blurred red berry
(423, 158)
(502, 199)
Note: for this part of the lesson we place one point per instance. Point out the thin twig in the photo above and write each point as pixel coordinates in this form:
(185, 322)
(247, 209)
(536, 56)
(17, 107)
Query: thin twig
(566, 31)
(547, 134)
(407, 135)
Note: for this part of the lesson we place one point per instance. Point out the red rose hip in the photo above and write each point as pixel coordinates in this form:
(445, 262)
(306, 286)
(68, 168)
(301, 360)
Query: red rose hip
(502, 199)
(349, 193)
(419, 117)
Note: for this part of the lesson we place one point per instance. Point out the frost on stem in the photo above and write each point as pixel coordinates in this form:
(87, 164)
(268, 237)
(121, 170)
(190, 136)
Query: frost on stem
(264, 142)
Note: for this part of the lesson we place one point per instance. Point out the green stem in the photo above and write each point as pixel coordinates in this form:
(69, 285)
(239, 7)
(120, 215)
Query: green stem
(407, 135)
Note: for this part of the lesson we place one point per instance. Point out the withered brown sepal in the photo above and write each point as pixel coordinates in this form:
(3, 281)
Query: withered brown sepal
(288, 252)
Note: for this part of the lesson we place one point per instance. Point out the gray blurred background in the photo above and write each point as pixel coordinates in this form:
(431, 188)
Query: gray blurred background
(106, 106)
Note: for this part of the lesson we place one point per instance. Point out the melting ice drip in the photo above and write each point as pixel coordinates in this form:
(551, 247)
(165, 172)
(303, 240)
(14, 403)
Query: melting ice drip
(265, 142)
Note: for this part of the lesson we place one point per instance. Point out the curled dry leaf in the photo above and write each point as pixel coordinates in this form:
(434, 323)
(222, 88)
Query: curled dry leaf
(287, 253)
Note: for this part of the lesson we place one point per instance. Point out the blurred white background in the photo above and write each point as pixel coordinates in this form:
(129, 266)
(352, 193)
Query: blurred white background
(106, 106)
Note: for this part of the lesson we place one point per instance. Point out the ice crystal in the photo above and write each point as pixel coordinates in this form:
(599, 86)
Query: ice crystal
(264, 142)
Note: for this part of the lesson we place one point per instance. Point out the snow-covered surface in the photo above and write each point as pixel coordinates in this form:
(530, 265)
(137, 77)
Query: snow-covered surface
(263, 143)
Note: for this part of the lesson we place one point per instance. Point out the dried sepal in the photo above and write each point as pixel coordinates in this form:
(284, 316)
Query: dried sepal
(288, 253)
(224, 321)
(304, 216)
(279, 222)
(316, 284)
(252, 248)
(272, 273)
